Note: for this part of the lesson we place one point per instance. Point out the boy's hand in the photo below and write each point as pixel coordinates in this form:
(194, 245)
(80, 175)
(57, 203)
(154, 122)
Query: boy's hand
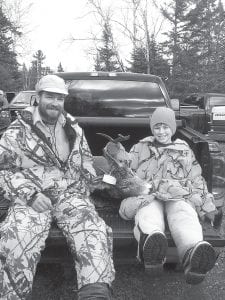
(210, 216)
(41, 203)
(162, 196)
(166, 197)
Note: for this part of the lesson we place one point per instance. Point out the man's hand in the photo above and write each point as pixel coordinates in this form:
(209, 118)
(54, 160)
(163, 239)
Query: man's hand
(41, 203)
(98, 184)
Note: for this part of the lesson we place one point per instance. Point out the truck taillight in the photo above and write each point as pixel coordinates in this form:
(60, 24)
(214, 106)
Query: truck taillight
(214, 147)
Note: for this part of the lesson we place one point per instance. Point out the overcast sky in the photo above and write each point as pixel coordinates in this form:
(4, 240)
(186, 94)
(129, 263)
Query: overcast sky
(52, 22)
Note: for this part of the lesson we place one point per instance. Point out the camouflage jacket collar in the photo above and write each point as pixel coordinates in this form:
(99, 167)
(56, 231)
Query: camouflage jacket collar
(27, 117)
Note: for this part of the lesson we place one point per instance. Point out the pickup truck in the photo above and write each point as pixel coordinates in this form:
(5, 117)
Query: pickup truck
(121, 103)
(205, 112)
(18, 101)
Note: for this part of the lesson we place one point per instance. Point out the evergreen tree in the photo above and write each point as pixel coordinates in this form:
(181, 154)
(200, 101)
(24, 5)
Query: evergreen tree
(25, 77)
(37, 70)
(60, 68)
(218, 52)
(106, 57)
(175, 12)
(10, 77)
(204, 40)
(32, 75)
(46, 71)
(39, 58)
(138, 60)
(157, 64)
(143, 60)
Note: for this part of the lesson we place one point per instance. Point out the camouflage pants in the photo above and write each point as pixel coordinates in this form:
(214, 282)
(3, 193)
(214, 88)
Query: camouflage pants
(23, 235)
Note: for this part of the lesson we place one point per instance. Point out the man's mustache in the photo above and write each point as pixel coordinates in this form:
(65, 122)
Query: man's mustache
(53, 107)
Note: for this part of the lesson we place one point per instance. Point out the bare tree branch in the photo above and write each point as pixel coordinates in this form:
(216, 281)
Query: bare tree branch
(17, 12)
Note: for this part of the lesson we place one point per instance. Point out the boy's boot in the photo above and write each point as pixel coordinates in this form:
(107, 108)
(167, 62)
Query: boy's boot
(198, 261)
(153, 250)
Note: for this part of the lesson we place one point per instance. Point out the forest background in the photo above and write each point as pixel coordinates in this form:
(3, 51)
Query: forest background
(189, 55)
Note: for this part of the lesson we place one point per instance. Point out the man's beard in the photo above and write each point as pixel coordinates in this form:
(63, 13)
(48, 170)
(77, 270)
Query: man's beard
(47, 118)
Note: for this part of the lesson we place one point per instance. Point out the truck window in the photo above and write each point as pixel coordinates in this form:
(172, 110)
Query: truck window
(191, 100)
(113, 98)
(24, 98)
(201, 102)
(195, 100)
(216, 101)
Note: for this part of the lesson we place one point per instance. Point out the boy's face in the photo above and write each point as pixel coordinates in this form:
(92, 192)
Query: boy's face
(162, 133)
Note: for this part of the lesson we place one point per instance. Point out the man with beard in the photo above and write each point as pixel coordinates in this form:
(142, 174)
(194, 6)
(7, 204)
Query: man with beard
(45, 173)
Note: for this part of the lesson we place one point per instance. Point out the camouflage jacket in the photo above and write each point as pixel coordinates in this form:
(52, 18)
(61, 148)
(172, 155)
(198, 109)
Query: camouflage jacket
(29, 165)
(173, 172)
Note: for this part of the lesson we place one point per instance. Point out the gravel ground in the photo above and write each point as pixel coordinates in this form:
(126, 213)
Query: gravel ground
(132, 283)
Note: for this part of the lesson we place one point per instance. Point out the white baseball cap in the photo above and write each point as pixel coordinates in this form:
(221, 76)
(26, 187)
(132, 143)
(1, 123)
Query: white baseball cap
(1, 92)
(53, 84)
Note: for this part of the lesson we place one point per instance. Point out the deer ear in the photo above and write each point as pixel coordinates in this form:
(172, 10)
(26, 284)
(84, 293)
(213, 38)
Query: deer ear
(101, 165)
(112, 148)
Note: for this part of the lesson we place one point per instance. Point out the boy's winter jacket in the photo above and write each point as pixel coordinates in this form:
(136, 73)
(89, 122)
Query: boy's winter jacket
(173, 172)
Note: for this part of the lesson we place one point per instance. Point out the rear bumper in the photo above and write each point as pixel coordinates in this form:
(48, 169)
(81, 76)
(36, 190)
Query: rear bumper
(124, 243)
(216, 135)
(124, 249)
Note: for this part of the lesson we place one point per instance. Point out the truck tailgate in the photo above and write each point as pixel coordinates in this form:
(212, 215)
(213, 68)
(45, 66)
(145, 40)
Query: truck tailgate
(125, 245)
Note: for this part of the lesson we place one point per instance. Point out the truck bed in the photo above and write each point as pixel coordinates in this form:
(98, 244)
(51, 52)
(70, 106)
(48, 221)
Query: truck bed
(125, 245)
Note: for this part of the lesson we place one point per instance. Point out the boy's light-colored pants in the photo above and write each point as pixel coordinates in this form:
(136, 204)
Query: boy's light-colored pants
(23, 234)
(183, 222)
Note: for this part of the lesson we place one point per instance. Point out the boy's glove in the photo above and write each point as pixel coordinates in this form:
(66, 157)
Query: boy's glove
(214, 217)
(210, 216)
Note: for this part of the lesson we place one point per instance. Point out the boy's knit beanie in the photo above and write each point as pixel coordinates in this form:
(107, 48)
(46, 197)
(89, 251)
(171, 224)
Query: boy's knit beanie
(164, 115)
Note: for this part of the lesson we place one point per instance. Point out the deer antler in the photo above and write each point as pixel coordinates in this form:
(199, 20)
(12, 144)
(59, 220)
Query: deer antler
(120, 138)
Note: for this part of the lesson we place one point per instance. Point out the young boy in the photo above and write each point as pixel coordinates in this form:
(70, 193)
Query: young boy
(178, 192)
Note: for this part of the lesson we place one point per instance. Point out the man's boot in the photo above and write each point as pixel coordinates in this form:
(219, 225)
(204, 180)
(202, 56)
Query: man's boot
(95, 291)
